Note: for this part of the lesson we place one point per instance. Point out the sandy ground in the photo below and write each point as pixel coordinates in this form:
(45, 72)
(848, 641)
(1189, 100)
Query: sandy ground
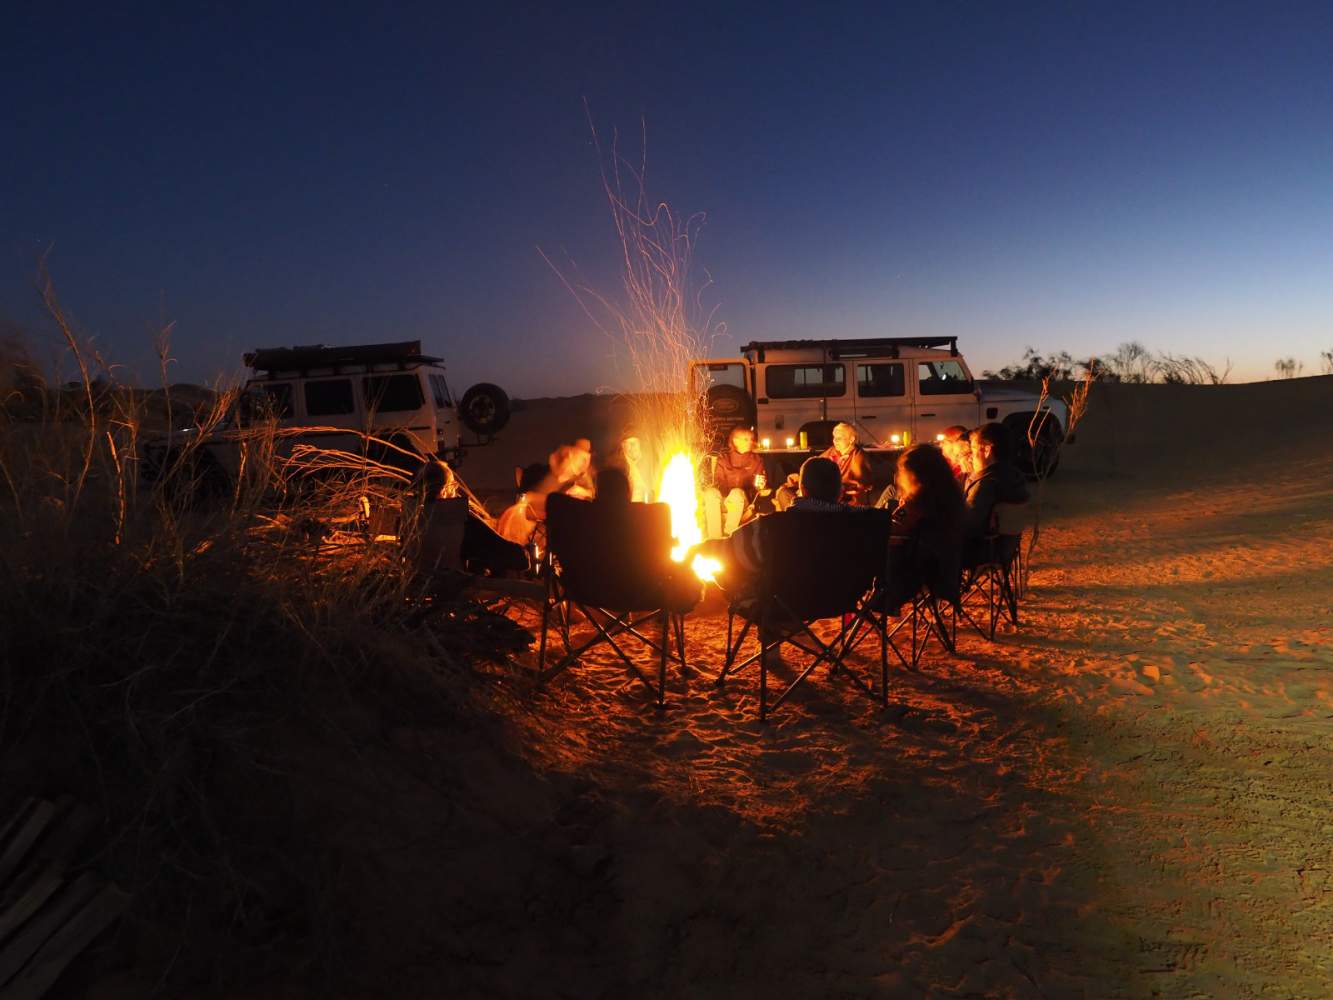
(1129, 796)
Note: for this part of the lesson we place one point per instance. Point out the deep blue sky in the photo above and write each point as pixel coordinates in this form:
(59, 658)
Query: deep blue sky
(1013, 174)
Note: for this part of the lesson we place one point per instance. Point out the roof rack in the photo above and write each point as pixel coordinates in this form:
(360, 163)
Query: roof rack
(303, 358)
(856, 347)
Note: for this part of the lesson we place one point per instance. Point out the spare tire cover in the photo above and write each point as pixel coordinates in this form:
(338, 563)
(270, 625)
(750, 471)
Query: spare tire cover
(727, 407)
(484, 408)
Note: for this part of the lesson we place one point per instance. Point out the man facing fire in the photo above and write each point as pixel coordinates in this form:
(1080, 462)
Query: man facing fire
(731, 481)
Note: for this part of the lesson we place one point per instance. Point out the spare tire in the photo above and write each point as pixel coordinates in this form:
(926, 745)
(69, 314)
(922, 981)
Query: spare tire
(484, 409)
(727, 407)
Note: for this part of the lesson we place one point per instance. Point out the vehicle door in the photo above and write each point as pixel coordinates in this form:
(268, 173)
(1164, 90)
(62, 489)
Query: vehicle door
(263, 411)
(945, 395)
(794, 396)
(396, 407)
(446, 427)
(722, 388)
(883, 406)
(330, 415)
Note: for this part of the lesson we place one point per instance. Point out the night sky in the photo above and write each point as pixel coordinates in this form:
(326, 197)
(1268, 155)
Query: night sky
(1011, 174)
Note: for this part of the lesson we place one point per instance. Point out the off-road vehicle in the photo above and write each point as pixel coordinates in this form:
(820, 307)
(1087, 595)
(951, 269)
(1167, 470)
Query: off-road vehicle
(896, 391)
(388, 401)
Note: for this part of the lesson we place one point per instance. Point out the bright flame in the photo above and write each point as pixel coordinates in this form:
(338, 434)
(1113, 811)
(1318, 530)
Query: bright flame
(677, 492)
(705, 569)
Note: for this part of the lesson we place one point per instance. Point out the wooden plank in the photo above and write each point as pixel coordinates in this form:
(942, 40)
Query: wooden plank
(65, 945)
(34, 893)
(49, 919)
(24, 837)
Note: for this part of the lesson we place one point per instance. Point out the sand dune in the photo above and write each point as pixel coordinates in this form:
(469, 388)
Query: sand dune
(1128, 796)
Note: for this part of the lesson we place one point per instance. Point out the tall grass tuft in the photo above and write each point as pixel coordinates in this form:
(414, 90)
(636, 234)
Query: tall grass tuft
(162, 648)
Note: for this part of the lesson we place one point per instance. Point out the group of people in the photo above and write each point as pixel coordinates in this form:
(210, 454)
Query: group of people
(942, 499)
(943, 496)
(735, 482)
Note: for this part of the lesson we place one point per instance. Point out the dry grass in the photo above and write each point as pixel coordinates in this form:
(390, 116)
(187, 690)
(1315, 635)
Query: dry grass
(163, 652)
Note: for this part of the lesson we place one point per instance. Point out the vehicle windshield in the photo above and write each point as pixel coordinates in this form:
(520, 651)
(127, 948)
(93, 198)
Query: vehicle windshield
(263, 402)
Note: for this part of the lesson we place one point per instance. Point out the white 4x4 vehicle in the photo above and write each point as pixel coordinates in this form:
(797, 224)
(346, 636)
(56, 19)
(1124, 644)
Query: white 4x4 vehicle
(896, 391)
(336, 398)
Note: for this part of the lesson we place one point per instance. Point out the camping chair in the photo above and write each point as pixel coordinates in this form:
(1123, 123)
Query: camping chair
(434, 545)
(815, 565)
(923, 577)
(991, 584)
(615, 571)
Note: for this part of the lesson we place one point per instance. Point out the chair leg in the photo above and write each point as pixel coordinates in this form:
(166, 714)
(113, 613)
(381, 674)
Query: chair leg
(680, 641)
(763, 678)
(734, 644)
(546, 618)
(883, 659)
(917, 649)
(662, 658)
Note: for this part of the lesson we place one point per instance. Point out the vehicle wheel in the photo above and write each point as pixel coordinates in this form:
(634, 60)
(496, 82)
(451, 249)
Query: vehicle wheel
(484, 409)
(1046, 455)
(727, 407)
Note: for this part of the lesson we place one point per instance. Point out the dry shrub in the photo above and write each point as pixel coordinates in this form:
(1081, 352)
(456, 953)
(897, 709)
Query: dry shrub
(162, 653)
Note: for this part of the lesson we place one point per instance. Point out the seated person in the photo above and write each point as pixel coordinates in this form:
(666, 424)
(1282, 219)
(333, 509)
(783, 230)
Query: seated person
(928, 523)
(995, 479)
(957, 449)
(741, 555)
(583, 478)
(853, 467)
(518, 523)
(451, 536)
(567, 472)
(731, 480)
(629, 459)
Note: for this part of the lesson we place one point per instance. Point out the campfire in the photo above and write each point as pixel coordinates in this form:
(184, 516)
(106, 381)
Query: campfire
(678, 492)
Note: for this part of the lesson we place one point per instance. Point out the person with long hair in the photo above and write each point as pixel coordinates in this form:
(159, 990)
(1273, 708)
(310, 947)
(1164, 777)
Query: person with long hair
(927, 490)
(927, 524)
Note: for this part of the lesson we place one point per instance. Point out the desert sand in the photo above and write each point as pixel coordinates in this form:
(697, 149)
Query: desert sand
(1127, 796)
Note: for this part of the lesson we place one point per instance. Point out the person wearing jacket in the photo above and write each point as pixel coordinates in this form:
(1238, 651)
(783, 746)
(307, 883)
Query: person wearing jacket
(732, 479)
(853, 467)
(928, 524)
(994, 479)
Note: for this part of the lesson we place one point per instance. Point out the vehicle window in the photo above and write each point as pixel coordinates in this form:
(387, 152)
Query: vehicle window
(722, 373)
(265, 402)
(942, 378)
(329, 399)
(440, 390)
(805, 381)
(873, 381)
(393, 393)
